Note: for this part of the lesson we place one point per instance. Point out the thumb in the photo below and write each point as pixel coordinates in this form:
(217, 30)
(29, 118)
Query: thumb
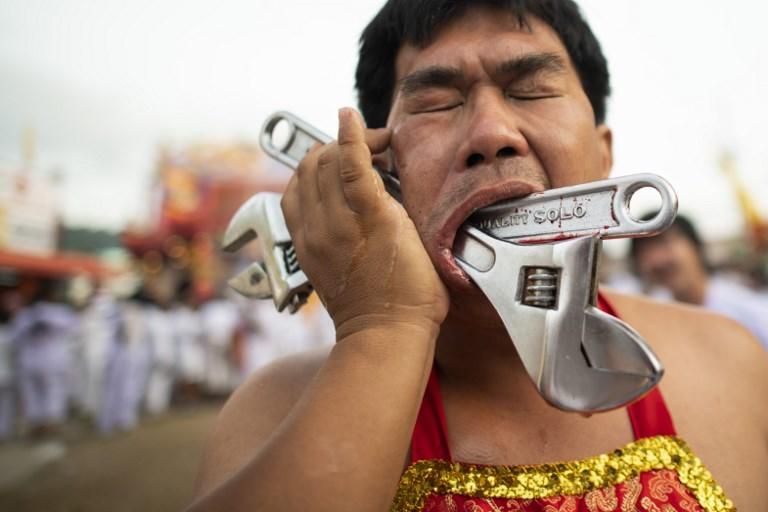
(359, 180)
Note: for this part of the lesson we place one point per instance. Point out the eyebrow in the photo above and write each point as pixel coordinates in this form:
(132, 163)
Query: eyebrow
(516, 67)
(430, 77)
(531, 64)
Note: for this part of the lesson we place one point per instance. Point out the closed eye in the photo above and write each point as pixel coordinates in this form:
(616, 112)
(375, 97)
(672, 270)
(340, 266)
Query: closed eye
(441, 108)
(531, 96)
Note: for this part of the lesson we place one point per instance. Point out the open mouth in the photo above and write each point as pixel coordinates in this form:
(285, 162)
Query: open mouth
(463, 212)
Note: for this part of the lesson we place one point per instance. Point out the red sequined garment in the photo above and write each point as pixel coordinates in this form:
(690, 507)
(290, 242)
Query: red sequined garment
(655, 473)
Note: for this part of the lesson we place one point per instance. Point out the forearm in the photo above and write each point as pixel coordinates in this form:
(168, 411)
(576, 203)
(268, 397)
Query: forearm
(344, 444)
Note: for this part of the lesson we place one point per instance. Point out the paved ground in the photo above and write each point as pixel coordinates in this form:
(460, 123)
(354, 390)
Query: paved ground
(149, 469)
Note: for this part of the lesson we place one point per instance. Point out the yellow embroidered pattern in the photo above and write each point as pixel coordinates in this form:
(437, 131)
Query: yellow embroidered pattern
(427, 477)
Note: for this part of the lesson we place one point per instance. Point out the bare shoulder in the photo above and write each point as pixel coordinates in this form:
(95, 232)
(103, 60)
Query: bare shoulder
(699, 339)
(715, 382)
(252, 414)
(703, 351)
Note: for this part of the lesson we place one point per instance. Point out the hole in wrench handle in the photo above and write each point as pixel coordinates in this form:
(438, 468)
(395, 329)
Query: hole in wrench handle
(300, 140)
(665, 214)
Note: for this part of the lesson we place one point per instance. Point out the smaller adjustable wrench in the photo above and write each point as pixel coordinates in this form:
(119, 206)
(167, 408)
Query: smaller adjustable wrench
(302, 136)
(535, 258)
(280, 276)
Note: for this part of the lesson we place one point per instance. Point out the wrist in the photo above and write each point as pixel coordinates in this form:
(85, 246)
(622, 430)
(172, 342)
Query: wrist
(388, 325)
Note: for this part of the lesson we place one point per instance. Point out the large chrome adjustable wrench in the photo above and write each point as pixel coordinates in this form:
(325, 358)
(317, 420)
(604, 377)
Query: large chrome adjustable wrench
(535, 258)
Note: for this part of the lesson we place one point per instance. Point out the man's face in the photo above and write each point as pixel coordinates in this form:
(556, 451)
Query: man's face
(670, 260)
(488, 111)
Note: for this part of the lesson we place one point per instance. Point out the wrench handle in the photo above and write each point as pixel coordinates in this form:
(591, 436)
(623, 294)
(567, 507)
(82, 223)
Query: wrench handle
(598, 208)
(301, 137)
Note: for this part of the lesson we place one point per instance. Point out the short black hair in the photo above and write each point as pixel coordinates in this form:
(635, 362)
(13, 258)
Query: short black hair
(416, 22)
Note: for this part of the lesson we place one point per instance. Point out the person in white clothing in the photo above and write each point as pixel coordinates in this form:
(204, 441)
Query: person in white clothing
(163, 366)
(41, 335)
(128, 368)
(98, 322)
(270, 335)
(221, 323)
(189, 345)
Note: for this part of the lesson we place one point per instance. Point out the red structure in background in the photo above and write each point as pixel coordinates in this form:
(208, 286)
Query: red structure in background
(59, 265)
(195, 193)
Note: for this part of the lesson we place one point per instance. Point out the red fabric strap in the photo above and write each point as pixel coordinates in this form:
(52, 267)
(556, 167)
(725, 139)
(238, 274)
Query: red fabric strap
(430, 439)
(649, 415)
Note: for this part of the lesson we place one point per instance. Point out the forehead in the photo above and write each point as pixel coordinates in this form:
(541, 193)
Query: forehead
(671, 237)
(481, 35)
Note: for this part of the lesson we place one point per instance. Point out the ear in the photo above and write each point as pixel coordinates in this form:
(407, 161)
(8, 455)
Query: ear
(605, 141)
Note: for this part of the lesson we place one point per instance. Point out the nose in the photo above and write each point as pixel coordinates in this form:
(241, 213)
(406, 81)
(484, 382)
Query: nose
(493, 133)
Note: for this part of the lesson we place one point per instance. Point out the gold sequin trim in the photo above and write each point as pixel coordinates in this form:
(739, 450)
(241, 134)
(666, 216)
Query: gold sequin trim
(427, 477)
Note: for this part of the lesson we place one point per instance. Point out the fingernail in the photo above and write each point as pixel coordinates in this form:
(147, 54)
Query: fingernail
(344, 114)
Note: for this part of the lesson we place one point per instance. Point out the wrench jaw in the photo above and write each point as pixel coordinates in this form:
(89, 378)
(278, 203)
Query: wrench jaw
(252, 282)
(620, 366)
(579, 358)
(594, 361)
(279, 276)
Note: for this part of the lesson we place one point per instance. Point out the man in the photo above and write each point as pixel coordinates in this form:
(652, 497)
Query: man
(481, 101)
(675, 261)
(41, 337)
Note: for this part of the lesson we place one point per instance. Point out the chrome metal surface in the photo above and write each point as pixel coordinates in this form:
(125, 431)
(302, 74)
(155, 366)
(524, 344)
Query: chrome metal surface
(600, 208)
(540, 287)
(579, 358)
(279, 276)
(301, 137)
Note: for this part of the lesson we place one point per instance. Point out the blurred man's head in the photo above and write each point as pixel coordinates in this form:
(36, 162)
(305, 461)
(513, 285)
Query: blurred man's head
(674, 260)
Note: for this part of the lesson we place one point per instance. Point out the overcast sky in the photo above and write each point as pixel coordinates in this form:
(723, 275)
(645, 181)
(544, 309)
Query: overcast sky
(104, 82)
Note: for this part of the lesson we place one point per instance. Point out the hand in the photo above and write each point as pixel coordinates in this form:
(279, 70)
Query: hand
(356, 244)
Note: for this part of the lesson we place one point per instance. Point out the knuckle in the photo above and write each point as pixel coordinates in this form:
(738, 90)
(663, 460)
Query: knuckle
(309, 161)
(326, 158)
(304, 165)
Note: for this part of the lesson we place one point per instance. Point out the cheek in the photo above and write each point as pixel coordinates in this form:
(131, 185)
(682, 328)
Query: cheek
(566, 142)
(422, 162)
(687, 256)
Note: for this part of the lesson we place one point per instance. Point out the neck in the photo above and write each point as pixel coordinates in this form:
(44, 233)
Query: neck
(480, 355)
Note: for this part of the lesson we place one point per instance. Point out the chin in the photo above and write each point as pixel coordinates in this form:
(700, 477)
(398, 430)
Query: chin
(474, 309)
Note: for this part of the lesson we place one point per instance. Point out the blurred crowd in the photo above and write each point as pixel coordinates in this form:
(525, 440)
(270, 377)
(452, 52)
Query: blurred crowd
(113, 361)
